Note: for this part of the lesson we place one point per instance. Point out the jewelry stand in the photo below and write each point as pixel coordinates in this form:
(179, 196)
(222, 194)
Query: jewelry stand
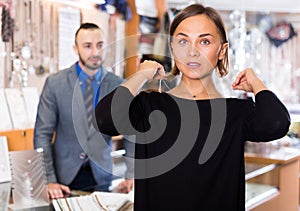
(29, 184)
(4, 195)
(5, 174)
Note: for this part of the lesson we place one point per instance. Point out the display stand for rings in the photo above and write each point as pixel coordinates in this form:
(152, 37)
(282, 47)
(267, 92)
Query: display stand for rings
(5, 174)
(29, 184)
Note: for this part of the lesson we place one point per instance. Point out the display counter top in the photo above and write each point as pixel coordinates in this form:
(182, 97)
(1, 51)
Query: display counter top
(279, 156)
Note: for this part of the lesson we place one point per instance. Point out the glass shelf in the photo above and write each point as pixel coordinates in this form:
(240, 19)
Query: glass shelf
(256, 191)
(257, 194)
(254, 169)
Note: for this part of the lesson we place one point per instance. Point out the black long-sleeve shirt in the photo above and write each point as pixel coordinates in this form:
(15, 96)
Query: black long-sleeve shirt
(190, 153)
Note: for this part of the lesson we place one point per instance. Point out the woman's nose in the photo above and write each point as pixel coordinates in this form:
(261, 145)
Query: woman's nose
(193, 51)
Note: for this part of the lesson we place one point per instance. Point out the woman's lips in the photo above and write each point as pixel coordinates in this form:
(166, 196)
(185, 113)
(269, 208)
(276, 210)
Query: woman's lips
(193, 64)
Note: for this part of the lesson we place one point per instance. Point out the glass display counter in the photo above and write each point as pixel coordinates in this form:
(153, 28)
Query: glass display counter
(258, 188)
(272, 179)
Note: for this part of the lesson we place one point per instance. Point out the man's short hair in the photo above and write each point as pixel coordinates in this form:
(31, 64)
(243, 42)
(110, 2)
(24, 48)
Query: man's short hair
(86, 26)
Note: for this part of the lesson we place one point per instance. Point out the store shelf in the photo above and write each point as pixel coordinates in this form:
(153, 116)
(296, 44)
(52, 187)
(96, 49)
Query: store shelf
(257, 194)
(253, 170)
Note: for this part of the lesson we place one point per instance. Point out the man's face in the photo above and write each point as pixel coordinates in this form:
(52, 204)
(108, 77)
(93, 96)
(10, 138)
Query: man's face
(89, 48)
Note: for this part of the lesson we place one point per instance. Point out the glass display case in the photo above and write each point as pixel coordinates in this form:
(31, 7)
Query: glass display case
(272, 178)
(261, 183)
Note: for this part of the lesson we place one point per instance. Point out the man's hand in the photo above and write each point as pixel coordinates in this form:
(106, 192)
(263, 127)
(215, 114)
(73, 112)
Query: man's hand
(126, 186)
(56, 190)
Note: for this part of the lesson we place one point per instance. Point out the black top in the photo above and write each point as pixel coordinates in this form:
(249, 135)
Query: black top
(190, 153)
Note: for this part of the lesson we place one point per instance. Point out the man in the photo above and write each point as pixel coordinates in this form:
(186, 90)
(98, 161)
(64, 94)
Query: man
(79, 156)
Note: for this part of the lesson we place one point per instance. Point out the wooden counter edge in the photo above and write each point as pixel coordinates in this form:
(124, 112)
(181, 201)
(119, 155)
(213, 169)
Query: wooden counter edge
(281, 156)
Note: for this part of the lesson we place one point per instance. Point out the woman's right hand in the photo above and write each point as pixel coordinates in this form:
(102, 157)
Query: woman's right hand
(56, 190)
(151, 70)
(148, 70)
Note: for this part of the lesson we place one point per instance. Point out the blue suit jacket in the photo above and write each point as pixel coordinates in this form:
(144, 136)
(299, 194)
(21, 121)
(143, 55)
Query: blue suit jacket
(61, 113)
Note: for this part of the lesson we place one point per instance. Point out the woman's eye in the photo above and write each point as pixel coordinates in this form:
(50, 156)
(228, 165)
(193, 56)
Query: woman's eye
(204, 42)
(182, 42)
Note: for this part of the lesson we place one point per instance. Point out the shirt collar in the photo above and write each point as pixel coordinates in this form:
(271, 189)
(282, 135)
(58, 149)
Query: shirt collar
(83, 76)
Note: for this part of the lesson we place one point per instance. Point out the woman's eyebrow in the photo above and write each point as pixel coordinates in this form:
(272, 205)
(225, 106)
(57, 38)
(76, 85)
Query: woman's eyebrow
(182, 34)
(204, 35)
(201, 35)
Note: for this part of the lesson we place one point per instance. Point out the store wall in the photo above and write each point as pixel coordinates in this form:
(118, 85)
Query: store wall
(47, 29)
(41, 43)
(278, 65)
(256, 5)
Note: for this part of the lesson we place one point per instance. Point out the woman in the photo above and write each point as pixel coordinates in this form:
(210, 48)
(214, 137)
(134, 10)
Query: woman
(190, 140)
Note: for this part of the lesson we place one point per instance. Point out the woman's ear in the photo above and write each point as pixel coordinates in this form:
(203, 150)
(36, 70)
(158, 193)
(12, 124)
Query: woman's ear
(223, 50)
(171, 46)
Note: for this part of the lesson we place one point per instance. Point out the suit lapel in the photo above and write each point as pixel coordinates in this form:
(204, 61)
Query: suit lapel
(78, 107)
(103, 91)
(104, 85)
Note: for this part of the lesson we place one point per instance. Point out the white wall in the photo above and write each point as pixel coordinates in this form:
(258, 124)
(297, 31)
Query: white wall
(256, 5)
(250, 5)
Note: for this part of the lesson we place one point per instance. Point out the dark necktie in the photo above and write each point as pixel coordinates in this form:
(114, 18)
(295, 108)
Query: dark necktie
(88, 99)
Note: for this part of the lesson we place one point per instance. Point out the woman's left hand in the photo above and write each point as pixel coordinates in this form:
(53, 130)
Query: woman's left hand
(248, 81)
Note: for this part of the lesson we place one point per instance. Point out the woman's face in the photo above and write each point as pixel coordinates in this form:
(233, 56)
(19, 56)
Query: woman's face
(197, 47)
